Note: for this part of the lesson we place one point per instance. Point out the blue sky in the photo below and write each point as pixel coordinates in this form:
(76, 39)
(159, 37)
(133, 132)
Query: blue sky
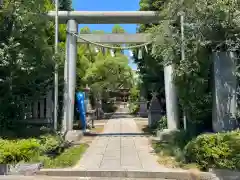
(108, 5)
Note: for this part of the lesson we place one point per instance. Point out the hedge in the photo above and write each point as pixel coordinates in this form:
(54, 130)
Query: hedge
(220, 150)
(14, 151)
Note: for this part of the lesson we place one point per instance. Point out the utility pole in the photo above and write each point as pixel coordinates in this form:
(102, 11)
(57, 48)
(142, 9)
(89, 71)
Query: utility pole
(183, 58)
(56, 68)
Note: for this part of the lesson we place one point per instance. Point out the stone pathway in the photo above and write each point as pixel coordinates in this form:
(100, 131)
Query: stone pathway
(121, 146)
(70, 178)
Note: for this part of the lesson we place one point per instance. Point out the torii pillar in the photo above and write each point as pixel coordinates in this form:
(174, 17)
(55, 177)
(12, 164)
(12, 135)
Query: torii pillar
(70, 86)
(72, 57)
(171, 98)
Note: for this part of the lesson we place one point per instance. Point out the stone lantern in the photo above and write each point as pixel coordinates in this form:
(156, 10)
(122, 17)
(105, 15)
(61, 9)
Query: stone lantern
(155, 111)
(86, 99)
(88, 107)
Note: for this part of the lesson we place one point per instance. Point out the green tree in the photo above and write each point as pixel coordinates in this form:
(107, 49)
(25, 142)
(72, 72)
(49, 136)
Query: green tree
(117, 29)
(83, 63)
(65, 5)
(109, 74)
(26, 57)
(85, 30)
(209, 26)
(150, 67)
(102, 50)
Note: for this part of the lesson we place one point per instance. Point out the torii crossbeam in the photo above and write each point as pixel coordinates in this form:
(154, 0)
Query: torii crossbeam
(123, 38)
(107, 17)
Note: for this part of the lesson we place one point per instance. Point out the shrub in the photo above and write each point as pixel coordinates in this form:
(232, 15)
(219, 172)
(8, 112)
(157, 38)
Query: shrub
(49, 143)
(173, 143)
(134, 94)
(134, 108)
(160, 125)
(18, 150)
(171, 149)
(134, 98)
(220, 150)
(14, 151)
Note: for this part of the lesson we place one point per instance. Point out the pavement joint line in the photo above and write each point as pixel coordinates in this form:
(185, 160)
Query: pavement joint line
(120, 146)
(108, 141)
(104, 153)
(137, 152)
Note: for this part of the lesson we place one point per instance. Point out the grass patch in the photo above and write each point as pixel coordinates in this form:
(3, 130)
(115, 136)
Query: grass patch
(171, 156)
(68, 158)
(171, 150)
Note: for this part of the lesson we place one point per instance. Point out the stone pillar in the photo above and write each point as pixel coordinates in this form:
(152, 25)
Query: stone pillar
(171, 98)
(49, 108)
(155, 111)
(100, 113)
(71, 59)
(89, 110)
(35, 109)
(143, 111)
(65, 97)
(88, 106)
(42, 115)
(224, 92)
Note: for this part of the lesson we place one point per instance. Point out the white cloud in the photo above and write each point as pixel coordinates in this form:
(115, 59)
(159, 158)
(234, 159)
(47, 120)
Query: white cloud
(112, 53)
(130, 53)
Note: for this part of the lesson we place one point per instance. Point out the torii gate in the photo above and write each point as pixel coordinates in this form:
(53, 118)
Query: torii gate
(73, 18)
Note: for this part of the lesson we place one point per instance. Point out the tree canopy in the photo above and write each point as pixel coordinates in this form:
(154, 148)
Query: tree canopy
(65, 5)
(27, 58)
(109, 73)
(100, 70)
(26, 52)
(209, 26)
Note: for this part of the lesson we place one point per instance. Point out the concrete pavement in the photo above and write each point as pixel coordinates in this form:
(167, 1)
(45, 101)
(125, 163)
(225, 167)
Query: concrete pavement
(122, 152)
(70, 178)
(121, 146)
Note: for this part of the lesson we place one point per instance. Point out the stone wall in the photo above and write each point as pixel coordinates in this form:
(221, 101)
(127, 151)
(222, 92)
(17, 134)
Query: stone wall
(224, 92)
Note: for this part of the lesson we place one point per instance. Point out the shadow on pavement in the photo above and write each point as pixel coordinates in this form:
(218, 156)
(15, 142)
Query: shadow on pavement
(115, 134)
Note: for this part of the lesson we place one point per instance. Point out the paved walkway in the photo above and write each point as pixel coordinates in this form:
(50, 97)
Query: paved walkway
(120, 147)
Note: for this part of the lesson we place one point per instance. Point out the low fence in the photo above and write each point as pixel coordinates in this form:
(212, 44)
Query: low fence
(39, 111)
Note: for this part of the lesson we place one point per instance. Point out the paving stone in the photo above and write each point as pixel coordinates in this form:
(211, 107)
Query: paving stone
(119, 151)
(113, 155)
(69, 178)
(110, 164)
